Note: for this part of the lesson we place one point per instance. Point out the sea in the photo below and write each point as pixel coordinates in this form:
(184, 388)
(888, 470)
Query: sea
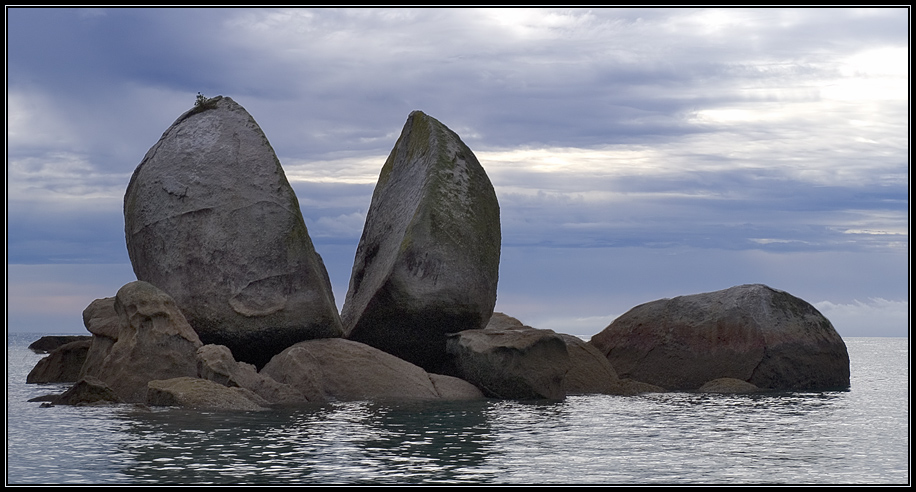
(855, 437)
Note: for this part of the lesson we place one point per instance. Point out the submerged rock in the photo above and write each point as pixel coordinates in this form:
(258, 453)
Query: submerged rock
(728, 385)
(86, 391)
(211, 219)
(202, 394)
(427, 263)
(753, 333)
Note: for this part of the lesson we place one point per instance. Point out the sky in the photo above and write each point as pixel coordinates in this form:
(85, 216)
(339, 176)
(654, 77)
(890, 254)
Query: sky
(636, 153)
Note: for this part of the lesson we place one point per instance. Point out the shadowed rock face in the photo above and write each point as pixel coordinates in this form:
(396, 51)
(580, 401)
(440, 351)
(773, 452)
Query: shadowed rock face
(752, 333)
(211, 219)
(427, 263)
(517, 363)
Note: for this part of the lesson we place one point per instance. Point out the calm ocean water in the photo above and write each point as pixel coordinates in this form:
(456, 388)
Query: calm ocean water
(861, 436)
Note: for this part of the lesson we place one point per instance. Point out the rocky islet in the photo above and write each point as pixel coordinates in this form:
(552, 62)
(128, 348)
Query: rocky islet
(254, 313)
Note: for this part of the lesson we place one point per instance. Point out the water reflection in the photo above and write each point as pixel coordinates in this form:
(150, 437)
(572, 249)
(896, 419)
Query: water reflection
(353, 442)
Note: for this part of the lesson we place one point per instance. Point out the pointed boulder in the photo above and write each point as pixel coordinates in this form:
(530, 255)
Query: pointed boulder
(211, 219)
(427, 263)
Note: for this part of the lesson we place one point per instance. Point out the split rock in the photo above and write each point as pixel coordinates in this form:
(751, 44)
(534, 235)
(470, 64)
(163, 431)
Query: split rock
(211, 219)
(427, 263)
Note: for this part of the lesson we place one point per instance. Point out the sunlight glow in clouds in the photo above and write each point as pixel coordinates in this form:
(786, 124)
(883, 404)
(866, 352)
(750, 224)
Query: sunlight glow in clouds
(636, 152)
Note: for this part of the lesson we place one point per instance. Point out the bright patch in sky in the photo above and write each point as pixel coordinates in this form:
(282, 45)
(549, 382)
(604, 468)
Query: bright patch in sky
(637, 153)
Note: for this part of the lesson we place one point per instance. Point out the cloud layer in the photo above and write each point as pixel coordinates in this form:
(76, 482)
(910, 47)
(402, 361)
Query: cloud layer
(738, 139)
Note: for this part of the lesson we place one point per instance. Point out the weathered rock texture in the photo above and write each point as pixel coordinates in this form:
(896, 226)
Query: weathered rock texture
(202, 394)
(154, 342)
(215, 363)
(427, 263)
(46, 344)
(345, 370)
(211, 219)
(86, 391)
(589, 370)
(62, 365)
(728, 385)
(754, 333)
(514, 363)
(101, 319)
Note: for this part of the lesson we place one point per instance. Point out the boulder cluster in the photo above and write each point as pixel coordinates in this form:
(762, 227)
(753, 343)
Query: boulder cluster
(233, 309)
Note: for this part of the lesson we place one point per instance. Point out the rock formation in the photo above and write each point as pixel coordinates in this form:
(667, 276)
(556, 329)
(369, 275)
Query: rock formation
(86, 391)
(46, 344)
(154, 342)
(211, 219)
(728, 385)
(427, 263)
(202, 394)
(753, 333)
(345, 370)
(215, 363)
(62, 365)
(521, 364)
(588, 372)
(101, 319)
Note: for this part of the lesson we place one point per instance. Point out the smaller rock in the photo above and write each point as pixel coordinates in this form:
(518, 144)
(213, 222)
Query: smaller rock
(728, 385)
(452, 388)
(63, 364)
(154, 341)
(86, 391)
(48, 343)
(201, 394)
(101, 319)
(502, 321)
(345, 370)
(215, 362)
(512, 363)
(630, 387)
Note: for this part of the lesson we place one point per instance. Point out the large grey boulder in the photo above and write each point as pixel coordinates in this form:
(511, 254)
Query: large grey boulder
(345, 370)
(154, 342)
(512, 363)
(427, 263)
(211, 219)
(753, 333)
